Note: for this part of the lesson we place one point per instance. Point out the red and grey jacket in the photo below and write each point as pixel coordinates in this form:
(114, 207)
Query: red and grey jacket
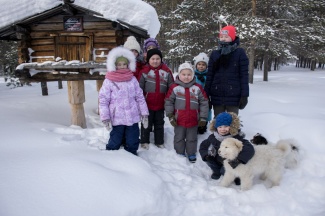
(155, 83)
(188, 102)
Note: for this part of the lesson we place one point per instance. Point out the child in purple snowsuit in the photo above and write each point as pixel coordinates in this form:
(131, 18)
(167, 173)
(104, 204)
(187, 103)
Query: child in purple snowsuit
(121, 102)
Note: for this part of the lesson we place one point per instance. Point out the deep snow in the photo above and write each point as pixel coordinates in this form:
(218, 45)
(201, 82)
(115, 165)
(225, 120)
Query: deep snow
(48, 167)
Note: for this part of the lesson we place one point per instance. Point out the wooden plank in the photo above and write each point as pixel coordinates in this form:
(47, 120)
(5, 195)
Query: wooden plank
(110, 33)
(97, 25)
(35, 35)
(47, 27)
(104, 40)
(105, 45)
(42, 41)
(49, 47)
(43, 53)
(42, 59)
(56, 67)
(47, 77)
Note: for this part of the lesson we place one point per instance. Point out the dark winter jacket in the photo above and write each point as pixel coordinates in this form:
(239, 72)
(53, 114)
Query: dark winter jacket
(187, 102)
(155, 83)
(244, 156)
(227, 78)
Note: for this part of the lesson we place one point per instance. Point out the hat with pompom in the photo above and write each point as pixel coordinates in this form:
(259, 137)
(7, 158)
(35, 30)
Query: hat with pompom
(185, 65)
(229, 30)
(202, 57)
(131, 43)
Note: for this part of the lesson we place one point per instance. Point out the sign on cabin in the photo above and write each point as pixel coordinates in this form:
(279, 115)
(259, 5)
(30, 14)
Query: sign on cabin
(73, 23)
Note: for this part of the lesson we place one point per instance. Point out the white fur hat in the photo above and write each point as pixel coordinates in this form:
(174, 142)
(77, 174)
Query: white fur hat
(185, 65)
(202, 57)
(132, 43)
(118, 52)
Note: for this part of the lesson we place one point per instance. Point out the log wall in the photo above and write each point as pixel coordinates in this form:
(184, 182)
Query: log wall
(47, 39)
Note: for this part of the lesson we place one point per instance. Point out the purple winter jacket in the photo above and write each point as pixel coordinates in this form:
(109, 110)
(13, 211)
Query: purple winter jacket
(122, 103)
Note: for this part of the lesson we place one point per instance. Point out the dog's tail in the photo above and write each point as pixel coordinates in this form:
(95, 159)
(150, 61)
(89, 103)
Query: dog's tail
(291, 152)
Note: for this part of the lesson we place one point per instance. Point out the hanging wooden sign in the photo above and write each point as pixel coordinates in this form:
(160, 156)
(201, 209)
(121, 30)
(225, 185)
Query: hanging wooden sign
(73, 23)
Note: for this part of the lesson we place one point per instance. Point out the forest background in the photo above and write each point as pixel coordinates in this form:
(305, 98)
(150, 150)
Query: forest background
(273, 32)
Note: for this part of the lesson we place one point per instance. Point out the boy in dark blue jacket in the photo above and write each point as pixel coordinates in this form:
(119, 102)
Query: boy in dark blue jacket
(224, 126)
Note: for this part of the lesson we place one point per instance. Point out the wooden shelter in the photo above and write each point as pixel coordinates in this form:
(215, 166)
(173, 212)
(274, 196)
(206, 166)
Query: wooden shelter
(67, 43)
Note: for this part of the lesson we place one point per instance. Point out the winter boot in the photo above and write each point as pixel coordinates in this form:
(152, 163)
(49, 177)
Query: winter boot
(192, 158)
(145, 146)
(215, 176)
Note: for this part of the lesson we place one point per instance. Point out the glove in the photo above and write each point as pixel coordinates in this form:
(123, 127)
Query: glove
(172, 120)
(202, 122)
(107, 124)
(234, 163)
(243, 102)
(210, 158)
(145, 121)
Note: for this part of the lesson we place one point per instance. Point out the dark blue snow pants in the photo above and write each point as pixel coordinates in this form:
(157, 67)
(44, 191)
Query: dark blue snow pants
(131, 136)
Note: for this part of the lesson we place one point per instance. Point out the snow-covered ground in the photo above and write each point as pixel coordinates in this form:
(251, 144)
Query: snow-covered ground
(48, 167)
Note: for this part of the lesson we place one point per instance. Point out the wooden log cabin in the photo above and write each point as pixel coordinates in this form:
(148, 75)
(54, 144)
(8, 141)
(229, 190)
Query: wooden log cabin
(67, 43)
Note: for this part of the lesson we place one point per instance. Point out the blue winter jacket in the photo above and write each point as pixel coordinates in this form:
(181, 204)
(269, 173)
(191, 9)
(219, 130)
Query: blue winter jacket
(227, 81)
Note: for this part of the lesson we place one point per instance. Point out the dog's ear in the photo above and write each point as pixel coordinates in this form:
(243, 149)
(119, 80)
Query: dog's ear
(238, 144)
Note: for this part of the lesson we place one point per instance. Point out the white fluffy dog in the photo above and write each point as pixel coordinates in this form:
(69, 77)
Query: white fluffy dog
(268, 162)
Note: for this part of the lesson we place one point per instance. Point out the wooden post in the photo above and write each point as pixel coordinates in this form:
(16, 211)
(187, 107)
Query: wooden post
(76, 92)
(60, 84)
(44, 88)
(99, 84)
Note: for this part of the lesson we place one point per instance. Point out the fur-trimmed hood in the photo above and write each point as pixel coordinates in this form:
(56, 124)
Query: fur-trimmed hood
(118, 52)
(234, 126)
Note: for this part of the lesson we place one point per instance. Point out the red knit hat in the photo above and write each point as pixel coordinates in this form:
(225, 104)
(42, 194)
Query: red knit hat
(229, 30)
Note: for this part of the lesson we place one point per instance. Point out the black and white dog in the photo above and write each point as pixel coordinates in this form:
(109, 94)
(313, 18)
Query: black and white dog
(259, 139)
(291, 160)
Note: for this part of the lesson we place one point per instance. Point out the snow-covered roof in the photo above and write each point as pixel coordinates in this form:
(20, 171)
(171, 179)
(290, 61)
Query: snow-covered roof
(134, 12)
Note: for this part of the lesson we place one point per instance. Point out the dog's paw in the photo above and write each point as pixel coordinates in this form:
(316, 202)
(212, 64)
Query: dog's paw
(224, 183)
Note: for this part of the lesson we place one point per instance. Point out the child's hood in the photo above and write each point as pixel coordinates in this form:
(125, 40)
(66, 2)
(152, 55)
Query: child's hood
(118, 52)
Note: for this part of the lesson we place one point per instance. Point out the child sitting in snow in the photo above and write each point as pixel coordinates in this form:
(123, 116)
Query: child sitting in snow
(224, 126)
(201, 70)
(186, 106)
(121, 101)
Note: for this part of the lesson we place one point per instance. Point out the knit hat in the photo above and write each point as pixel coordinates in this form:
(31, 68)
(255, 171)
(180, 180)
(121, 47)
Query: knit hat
(202, 57)
(185, 65)
(131, 43)
(234, 126)
(152, 52)
(223, 119)
(229, 30)
(150, 42)
(121, 59)
(117, 53)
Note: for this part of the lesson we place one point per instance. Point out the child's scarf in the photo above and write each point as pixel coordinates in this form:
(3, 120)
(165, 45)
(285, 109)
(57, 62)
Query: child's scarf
(120, 75)
(226, 47)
